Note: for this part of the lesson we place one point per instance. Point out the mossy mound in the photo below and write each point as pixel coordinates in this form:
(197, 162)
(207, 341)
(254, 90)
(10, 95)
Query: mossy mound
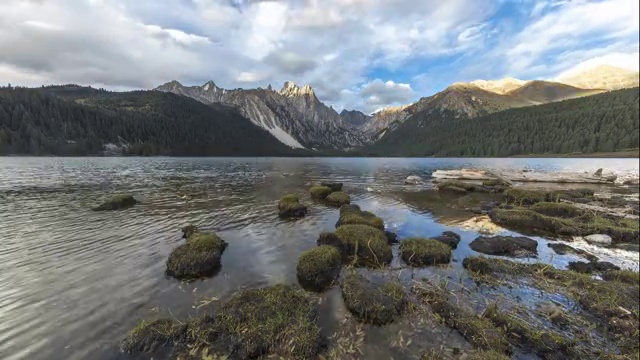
(505, 245)
(338, 198)
(423, 252)
(624, 276)
(290, 207)
(198, 257)
(361, 244)
(480, 332)
(320, 192)
(487, 355)
(351, 214)
(277, 320)
(319, 267)
(117, 202)
(591, 267)
(522, 197)
(449, 238)
(542, 342)
(149, 336)
(562, 210)
(458, 186)
(334, 186)
(370, 303)
(620, 230)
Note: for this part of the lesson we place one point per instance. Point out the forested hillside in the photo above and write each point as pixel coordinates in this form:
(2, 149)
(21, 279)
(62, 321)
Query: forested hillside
(599, 123)
(81, 121)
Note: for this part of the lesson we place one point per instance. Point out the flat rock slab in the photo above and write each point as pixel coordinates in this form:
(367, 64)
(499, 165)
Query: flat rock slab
(505, 246)
(599, 239)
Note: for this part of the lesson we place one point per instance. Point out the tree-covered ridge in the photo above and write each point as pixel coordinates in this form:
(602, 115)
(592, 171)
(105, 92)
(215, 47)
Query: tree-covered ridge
(599, 123)
(81, 121)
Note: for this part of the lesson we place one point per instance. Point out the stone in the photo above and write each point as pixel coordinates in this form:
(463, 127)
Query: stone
(598, 239)
(449, 238)
(564, 249)
(590, 267)
(413, 180)
(290, 207)
(505, 246)
(117, 202)
(598, 173)
(391, 237)
(334, 186)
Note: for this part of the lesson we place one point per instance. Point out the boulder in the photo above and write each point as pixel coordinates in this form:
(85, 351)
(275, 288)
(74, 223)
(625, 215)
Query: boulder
(319, 267)
(338, 198)
(290, 207)
(449, 238)
(598, 239)
(424, 252)
(199, 257)
(371, 303)
(117, 202)
(351, 214)
(413, 180)
(598, 173)
(505, 246)
(320, 192)
(334, 186)
(361, 244)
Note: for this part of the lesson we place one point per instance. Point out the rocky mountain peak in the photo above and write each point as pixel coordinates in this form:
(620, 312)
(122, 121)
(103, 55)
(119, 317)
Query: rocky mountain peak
(290, 89)
(501, 86)
(209, 85)
(171, 85)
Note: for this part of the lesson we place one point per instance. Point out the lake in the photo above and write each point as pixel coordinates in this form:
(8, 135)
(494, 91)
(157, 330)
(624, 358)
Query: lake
(73, 281)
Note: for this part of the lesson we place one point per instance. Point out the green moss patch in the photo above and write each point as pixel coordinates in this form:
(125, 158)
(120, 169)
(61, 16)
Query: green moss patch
(277, 320)
(624, 276)
(423, 252)
(320, 192)
(319, 267)
(362, 245)
(480, 332)
(149, 336)
(449, 238)
(117, 202)
(542, 342)
(562, 210)
(521, 197)
(338, 198)
(371, 303)
(198, 257)
(352, 214)
(289, 206)
(189, 230)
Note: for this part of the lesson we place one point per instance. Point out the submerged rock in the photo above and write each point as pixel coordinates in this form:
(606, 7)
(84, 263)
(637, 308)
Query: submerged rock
(564, 249)
(505, 245)
(334, 186)
(361, 244)
(117, 202)
(290, 207)
(449, 238)
(371, 303)
(423, 252)
(319, 267)
(351, 214)
(320, 192)
(198, 257)
(338, 198)
(413, 180)
(598, 239)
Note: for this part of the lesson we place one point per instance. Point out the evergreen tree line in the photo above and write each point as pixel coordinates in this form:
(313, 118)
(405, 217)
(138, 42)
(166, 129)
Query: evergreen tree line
(599, 123)
(71, 120)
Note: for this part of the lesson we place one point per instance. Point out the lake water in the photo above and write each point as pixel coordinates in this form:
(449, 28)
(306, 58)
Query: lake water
(74, 281)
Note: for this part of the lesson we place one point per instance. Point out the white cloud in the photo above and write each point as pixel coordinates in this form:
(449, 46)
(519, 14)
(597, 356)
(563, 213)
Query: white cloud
(337, 46)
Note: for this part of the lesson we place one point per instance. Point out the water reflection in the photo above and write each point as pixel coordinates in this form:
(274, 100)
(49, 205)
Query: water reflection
(73, 281)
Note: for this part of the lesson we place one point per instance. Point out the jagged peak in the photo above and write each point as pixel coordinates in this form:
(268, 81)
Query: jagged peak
(291, 89)
(172, 84)
(209, 85)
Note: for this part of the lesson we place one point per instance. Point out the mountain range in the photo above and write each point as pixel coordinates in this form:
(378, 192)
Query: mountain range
(297, 118)
(174, 119)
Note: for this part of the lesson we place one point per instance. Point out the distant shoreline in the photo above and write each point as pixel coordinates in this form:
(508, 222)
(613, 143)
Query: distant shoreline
(634, 153)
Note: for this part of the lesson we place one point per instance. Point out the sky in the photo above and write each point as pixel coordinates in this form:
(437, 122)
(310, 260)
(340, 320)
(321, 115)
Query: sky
(356, 54)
